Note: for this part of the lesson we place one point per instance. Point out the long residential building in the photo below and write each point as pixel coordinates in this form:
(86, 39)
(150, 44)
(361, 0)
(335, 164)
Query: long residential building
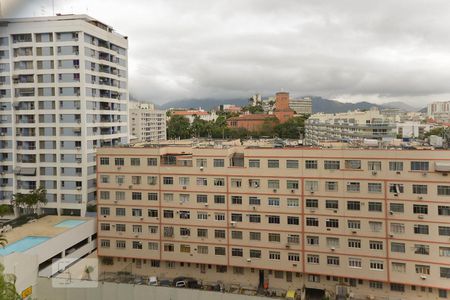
(349, 126)
(63, 93)
(368, 223)
(146, 123)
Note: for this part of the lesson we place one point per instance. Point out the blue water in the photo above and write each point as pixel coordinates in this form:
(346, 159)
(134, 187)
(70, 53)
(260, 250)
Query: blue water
(23, 244)
(70, 223)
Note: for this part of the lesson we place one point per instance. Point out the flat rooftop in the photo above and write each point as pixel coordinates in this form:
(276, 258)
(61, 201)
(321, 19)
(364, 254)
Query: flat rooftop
(48, 226)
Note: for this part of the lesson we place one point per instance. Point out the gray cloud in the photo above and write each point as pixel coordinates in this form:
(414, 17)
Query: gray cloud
(349, 49)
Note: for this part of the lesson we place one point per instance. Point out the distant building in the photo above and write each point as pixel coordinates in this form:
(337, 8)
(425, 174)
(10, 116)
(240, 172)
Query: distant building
(229, 108)
(301, 106)
(349, 126)
(192, 114)
(146, 123)
(282, 110)
(412, 129)
(255, 100)
(439, 112)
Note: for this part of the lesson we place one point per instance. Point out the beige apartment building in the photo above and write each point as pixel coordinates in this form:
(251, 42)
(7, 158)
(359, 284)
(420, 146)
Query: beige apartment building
(370, 224)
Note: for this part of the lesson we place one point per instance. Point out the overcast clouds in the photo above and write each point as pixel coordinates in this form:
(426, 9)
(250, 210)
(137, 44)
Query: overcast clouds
(347, 49)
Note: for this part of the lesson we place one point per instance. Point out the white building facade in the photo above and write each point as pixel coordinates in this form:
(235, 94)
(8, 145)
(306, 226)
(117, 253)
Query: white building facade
(146, 123)
(63, 93)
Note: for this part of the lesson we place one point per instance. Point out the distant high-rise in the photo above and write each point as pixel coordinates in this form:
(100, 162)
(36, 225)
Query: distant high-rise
(63, 93)
(146, 123)
(301, 106)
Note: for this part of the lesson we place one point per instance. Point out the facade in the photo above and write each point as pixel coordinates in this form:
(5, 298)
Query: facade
(413, 129)
(349, 126)
(439, 111)
(63, 93)
(282, 110)
(146, 123)
(44, 246)
(369, 223)
(301, 106)
(192, 114)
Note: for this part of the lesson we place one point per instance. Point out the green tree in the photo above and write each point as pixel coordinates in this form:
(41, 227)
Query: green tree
(3, 241)
(178, 127)
(8, 289)
(31, 202)
(200, 128)
(292, 129)
(435, 131)
(6, 209)
(257, 109)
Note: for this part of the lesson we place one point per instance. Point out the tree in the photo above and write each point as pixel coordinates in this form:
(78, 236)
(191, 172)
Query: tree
(257, 109)
(31, 202)
(6, 209)
(200, 128)
(291, 129)
(435, 131)
(7, 281)
(3, 241)
(178, 127)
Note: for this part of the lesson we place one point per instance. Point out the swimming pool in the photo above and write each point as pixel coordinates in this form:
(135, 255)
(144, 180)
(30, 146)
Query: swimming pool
(69, 223)
(23, 244)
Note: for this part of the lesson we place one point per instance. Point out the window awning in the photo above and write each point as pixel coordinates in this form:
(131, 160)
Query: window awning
(290, 294)
(442, 166)
(27, 171)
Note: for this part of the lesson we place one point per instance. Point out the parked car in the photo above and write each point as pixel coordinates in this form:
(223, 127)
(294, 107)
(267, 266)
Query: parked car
(165, 282)
(188, 282)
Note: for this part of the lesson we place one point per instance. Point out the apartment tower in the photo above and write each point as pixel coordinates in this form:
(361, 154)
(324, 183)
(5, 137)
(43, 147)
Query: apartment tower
(63, 94)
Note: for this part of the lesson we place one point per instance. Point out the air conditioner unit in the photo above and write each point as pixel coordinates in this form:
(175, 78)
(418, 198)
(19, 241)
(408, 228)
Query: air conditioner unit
(201, 168)
(141, 218)
(420, 216)
(423, 277)
(398, 172)
(249, 259)
(184, 187)
(391, 235)
(206, 204)
(274, 190)
(79, 188)
(391, 212)
(420, 198)
(354, 231)
(335, 211)
(233, 223)
(254, 207)
(130, 186)
(115, 201)
(332, 248)
(136, 235)
(374, 173)
(292, 191)
(78, 148)
(288, 246)
(118, 168)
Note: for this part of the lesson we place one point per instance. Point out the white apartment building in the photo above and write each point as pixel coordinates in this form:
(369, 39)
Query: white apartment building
(301, 106)
(349, 126)
(413, 129)
(146, 123)
(439, 111)
(63, 93)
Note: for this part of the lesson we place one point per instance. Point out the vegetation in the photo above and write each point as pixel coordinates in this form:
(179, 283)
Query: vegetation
(32, 202)
(7, 281)
(257, 109)
(6, 209)
(435, 131)
(179, 127)
(3, 241)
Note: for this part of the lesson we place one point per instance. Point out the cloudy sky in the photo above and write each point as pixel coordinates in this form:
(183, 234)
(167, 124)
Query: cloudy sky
(350, 50)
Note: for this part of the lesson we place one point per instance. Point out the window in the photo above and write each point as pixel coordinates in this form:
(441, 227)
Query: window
(218, 163)
(311, 164)
(254, 183)
(420, 189)
(104, 195)
(421, 249)
(120, 211)
(376, 284)
(152, 213)
(152, 196)
(169, 248)
(254, 201)
(153, 246)
(292, 184)
(354, 243)
(168, 214)
(332, 204)
(376, 265)
(420, 209)
(353, 205)
(354, 224)
(152, 229)
(202, 198)
(202, 181)
(202, 215)
(151, 161)
(104, 211)
(255, 236)
(291, 220)
(237, 252)
(105, 226)
(236, 217)
(274, 219)
(119, 161)
(332, 242)
(311, 186)
(353, 186)
(374, 187)
(201, 162)
(397, 287)
(292, 202)
(442, 293)
(219, 199)
(419, 166)
(219, 250)
(120, 244)
(168, 197)
(398, 267)
(273, 201)
(253, 163)
(292, 164)
(183, 181)
(331, 164)
(236, 200)
(273, 184)
(312, 222)
(443, 190)
(152, 180)
(202, 232)
(137, 228)
(375, 206)
(374, 165)
(398, 228)
(274, 255)
(395, 166)
(185, 214)
(185, 231)
(202, 249)
(375, 226)
(136, 196)
(331, 186)
(237, 235)
(273, 163)
(104, 178)
(444, 230)
(444, 251)
(353, 164)
(376, 245)
(136, 179)
(255, 253)
(254, 218)
(313, 259)
(135, 161)
(219, 234)
(443, 210)
(293, 257)
(396, 188)
(236, 182)
(354, 262)
(136, 212)
(120, 227)
(332, 223)
(421, 229)
(104, 161)
(333, 260)
(293, 239)
(445, 272)
(104, 243)
(120, 179)
(398, 247)
(167, 180)
(397, 207)
(312, 240)
(219, 216)
(422, 269)
(312, 203)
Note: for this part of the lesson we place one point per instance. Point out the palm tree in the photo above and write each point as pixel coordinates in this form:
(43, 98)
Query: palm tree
(32, 202)
(3, 241)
